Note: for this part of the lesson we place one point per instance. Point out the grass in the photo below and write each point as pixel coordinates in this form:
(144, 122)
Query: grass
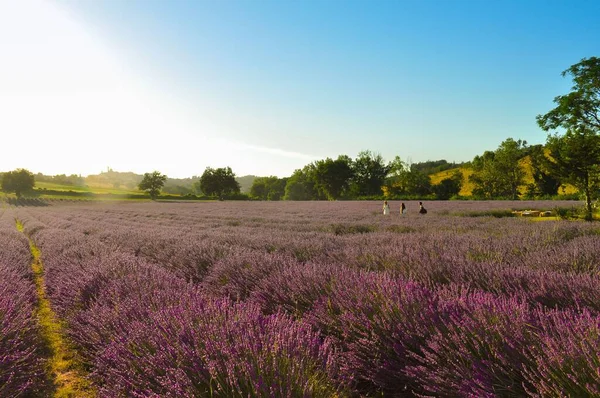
(40, 185)
(467, 187)
(497, 213)
(49, 190)
(536, 219)
(63, 368)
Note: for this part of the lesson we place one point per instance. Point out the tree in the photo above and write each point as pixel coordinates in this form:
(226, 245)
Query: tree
(581, 107)
(268, 188)
(302, 185)
(499, 174)
(404, 179)
(393, 182)
(369, 173)
(486, 178)
(417, 182)
(435, 166)
(18, 181)
(448, 187)
(218, 182)
(576, 155)
(544, 183)
(152, 183)
(333, 176)
(575, 158)
(507, 159)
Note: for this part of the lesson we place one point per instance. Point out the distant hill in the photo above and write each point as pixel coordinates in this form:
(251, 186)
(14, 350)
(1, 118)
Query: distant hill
(128, 180)
(467, 187)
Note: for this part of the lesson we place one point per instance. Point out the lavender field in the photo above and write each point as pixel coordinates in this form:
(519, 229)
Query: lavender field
(305, 299)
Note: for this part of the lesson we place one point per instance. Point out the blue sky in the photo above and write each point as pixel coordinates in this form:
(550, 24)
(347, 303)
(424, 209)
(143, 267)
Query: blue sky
(268, 86)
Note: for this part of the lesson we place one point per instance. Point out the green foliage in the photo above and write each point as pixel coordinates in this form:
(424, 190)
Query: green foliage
(368, 174)
(61, 179)
(268, 188)
(581, 107)
(567, 213)
(417, 182)
(544, 183)
(435, 166)
(302, 185)
(448, 187)
(496, 213)
(333, 177)
(404, 180)
(219, 182)
(499, 174)
(18, 181)
(152, 183)
(575, 156)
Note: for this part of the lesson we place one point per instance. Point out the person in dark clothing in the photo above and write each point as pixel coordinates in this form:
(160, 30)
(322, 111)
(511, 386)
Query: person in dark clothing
(422, 210)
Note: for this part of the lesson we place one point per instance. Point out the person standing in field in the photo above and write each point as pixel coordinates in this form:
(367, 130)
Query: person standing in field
(386, 208)
(422, 210)
(402, 209)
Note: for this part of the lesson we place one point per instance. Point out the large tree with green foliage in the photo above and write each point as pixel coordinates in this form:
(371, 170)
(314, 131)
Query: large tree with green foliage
(369, 173)
(508, 156)
(486, 178)
(393, 181)
(302, 185)
(333, 177)
(405, 179)
(417, 182)
(448, 187)
(153, 183)
(268, 188)
(218, 182)
(544, 183)
(499, 174)
(575, 156)
(18, 181)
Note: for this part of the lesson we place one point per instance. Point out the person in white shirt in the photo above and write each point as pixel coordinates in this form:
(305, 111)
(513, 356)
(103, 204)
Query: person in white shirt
(386, 208)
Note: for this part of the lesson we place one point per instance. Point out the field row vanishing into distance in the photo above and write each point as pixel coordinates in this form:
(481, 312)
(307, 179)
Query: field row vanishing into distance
(297, 299)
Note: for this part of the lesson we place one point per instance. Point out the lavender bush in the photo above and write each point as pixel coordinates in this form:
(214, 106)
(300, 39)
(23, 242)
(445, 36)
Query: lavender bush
(21, 363)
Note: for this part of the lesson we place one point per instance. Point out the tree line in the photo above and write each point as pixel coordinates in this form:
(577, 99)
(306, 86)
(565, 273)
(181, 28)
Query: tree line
(571, 155)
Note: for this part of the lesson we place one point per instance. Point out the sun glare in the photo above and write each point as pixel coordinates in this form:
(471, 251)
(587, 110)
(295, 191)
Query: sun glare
(67, 104)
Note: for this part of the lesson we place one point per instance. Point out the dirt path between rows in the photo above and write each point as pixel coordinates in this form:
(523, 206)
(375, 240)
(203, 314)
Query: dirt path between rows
(62, 370)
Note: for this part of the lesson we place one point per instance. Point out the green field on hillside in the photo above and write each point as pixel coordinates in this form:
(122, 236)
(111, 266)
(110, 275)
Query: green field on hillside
(40, 186)
(467, 187)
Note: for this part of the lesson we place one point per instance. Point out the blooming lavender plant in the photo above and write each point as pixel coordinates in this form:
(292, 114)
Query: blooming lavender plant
(21, 363)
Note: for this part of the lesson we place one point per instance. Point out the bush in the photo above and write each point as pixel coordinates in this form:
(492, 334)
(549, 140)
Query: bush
(569, 213)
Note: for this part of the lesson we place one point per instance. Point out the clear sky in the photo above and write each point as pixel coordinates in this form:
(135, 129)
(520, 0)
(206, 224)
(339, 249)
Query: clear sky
(266, 87)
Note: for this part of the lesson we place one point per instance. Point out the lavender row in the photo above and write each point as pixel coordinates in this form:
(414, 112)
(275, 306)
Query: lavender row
(400, 336)
(21, 363)
(144, 331)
